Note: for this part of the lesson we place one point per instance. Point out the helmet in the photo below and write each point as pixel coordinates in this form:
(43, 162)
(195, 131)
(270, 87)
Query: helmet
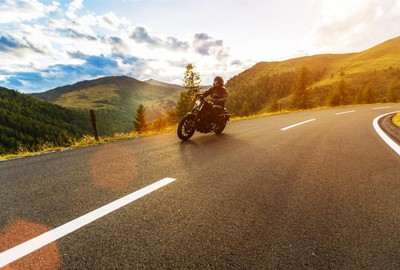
(218, 81)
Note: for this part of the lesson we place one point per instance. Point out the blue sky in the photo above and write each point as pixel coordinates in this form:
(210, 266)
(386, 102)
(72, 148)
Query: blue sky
(46, 44)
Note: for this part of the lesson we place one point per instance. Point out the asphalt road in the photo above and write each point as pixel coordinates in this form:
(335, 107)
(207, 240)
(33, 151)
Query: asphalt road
(321, 195)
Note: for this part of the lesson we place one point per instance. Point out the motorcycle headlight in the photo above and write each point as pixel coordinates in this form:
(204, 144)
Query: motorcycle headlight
(198, 102)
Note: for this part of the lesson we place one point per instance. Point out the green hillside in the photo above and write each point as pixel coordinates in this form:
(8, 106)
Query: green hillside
(28, 123)
(115, 100)
(366, 77)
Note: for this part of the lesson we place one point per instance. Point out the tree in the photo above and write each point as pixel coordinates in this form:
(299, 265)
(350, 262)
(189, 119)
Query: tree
(334, 98)
(393, 91)
(245, 110)
(191, 83)
(140, 120)
(342, 89)
(369, 93)
(301, 95)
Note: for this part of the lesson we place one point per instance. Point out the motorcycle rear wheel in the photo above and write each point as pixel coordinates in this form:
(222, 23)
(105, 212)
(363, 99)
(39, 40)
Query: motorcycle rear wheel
(186, 127)
(220, 128)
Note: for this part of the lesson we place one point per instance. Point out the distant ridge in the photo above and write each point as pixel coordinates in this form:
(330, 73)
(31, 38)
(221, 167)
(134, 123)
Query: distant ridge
(368, 77)
(27, 123)
(115, 99)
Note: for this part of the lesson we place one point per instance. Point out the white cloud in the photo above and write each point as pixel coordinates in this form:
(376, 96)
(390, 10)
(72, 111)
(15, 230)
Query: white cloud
(346, 26)
(73, 7)
(69, 41)
(24, 10)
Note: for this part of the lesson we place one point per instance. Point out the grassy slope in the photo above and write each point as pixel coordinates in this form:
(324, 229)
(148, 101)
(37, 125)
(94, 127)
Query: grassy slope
(396, 120)
(382, 56)
(29, 123)
(116, 99)
(355, 68)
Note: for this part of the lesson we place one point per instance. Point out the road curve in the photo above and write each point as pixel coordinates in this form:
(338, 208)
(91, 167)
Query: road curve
(323, 194)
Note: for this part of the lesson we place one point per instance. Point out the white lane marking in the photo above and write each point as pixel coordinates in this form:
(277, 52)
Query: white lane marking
(298, 124)
(383, 135)
(339, 113)
(380, 108)
(42, 240)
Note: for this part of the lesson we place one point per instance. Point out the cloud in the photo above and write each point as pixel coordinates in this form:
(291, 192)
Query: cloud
(207, 46)
(57, 75)
(76, 35)
(73, 7)
(63, 47)
(10, 44)
(24, 10)
(346, 26)
(236, 63)
(173, 43)
(141, 35)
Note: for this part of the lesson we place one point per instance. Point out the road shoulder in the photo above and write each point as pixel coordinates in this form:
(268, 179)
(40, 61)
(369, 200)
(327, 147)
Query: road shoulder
(389, 128)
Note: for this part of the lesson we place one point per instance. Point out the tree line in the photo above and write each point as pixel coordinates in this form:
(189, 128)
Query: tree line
(27, 123)
(293, 90)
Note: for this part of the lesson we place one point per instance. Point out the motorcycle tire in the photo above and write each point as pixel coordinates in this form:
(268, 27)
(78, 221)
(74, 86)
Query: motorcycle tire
(219, 129)
(186, 127)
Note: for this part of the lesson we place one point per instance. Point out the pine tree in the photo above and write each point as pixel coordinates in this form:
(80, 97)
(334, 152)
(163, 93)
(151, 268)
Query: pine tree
(191, 83)
(343, 93)
(301, 95)
(334, 98)
(393, 91)
(140, 119)
(369, 93)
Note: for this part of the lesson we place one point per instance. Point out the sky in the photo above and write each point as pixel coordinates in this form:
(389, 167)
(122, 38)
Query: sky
(46, 44)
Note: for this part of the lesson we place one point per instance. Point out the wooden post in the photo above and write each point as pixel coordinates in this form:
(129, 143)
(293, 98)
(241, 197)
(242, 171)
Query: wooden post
(94, 125)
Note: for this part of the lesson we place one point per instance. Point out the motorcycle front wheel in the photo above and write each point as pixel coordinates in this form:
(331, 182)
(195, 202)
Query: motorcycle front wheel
(186, 127)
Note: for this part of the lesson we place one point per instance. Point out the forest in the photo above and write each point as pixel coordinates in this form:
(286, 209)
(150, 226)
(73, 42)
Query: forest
(27, 123)
(292, 90)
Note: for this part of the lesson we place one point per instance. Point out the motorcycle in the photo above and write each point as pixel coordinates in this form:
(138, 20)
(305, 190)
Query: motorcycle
(203, 118)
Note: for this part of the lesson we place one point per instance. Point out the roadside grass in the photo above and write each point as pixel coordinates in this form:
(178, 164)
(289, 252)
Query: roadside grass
(86, 141)
(90, 140)
(396, 120)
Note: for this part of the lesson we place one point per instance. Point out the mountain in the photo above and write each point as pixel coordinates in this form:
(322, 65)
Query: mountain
(115, 100)
(163, 84)
(369, 76)
(27, 123)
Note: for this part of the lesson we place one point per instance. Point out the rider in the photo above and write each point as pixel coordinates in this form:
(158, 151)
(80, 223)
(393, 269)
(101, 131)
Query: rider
(218, 94)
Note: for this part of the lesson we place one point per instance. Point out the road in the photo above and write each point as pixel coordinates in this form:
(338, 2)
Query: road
(265, 194)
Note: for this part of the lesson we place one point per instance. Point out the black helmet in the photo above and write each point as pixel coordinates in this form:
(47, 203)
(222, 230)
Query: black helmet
(218, 81)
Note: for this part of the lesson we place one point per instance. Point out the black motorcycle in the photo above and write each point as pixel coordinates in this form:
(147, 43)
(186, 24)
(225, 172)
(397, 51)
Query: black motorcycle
(205, 117)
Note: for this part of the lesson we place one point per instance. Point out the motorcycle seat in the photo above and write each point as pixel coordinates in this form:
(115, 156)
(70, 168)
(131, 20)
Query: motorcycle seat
(218, 107)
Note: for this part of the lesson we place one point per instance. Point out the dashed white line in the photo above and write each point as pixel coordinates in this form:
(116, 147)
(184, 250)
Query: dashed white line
(383, 135)
(339, 113)
(298, 124)
(380, 108)
(42, 240)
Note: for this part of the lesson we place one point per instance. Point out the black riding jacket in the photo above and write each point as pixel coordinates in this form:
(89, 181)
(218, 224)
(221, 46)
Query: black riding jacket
(220, 91)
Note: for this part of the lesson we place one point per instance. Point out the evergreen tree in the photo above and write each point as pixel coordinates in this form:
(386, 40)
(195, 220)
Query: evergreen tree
(334, 98)
(274, 105)
(140, 119)
(369, 93)
(301, 95)
(393, 91)
(343, 93)
(191, 83)
(245, 110)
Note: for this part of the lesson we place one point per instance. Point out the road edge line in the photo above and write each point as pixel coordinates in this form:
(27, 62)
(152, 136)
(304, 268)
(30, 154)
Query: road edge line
(392, 144)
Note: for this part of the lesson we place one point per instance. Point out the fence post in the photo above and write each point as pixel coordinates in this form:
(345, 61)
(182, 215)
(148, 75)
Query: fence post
(94, 125)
